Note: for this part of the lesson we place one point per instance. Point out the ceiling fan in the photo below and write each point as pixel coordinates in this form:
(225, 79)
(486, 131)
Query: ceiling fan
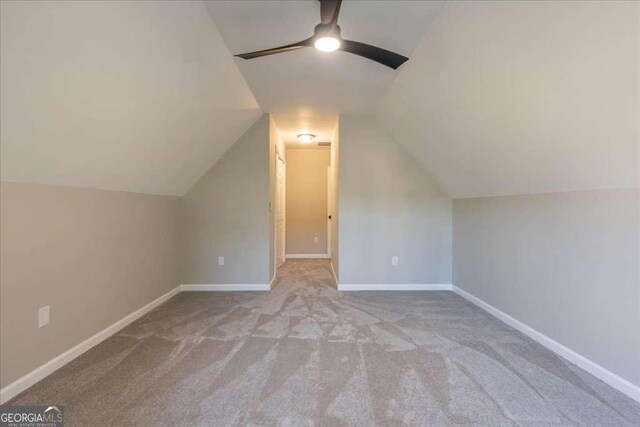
(326, 38)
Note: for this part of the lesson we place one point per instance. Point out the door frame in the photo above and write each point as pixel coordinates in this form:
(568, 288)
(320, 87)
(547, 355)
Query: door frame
(330, 207)
(278, 196)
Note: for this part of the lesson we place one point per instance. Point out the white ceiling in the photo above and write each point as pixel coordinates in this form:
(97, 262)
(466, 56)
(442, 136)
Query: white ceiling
(135, 96)
(505, 98)
(305, 89)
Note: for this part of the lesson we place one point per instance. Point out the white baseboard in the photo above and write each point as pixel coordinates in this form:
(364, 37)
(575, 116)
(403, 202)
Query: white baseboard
(23, 383)
(395, 287)
(615, 381)
(231, 287)
(295, 256)
(333, 271)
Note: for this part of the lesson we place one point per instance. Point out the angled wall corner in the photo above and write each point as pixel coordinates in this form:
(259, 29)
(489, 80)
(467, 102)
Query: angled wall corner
(389, 206)
(226, 214)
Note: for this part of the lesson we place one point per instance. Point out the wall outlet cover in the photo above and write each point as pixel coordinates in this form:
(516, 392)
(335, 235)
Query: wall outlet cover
(43, 316)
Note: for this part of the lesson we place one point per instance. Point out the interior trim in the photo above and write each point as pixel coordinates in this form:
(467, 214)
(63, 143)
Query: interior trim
(395, 287)
(295, 256)
(26, 381)
(615, 381)
(230, 287)
(41, 372)
(333, 271)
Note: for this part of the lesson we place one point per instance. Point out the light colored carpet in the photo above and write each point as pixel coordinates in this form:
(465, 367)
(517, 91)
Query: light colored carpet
(305, 354)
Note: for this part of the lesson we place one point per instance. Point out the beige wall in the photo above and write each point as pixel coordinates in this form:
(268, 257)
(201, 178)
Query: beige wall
(93, 256)
(306, 197)
(565, 264)
(227, 214)
(389, 206)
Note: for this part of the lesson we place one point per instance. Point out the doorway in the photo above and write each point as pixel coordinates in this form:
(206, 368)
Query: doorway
(280, 211)
(303, 183)
(307, 204)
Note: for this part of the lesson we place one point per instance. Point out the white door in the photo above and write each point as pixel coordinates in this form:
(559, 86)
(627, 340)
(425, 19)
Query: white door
(280, 211)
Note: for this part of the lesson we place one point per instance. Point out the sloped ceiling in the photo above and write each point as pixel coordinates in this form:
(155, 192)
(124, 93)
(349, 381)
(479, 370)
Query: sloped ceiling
(498, 98)
(505, 98)
(305, 89)
(137, 96)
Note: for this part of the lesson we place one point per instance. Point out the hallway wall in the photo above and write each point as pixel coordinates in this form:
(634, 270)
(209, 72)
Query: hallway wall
(306, 213)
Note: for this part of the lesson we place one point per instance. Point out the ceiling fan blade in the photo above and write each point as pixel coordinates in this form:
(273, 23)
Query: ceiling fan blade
(294, 46)
(383, 56)
(329, 10)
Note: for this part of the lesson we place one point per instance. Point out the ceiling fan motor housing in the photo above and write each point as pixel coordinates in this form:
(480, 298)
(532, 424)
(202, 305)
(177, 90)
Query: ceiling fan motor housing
(327, 30)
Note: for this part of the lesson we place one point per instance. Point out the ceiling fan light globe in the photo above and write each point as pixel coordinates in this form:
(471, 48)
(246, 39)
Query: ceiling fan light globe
(327, 44)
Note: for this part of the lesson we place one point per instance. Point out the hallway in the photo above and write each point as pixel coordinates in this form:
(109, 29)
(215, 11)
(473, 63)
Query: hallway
(313, 272)
(305, 354)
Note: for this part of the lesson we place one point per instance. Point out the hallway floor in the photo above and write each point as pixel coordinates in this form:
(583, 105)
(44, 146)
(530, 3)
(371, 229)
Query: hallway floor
(306, 354)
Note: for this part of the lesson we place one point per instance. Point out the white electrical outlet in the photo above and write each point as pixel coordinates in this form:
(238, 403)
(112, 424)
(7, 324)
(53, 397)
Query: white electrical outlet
(315, 240)
(394, 260)
(43, 316)
(220, 260)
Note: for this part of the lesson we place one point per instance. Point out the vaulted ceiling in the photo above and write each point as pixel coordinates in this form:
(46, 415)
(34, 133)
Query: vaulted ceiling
(497, 98)
(136, 96)
(305, 88)
(505, 98)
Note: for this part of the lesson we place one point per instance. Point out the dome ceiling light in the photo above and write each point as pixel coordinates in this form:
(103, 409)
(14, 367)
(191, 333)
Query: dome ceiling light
(306, 138)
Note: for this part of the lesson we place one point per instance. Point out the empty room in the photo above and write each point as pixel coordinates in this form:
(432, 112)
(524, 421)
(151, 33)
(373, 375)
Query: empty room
(329, 213)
